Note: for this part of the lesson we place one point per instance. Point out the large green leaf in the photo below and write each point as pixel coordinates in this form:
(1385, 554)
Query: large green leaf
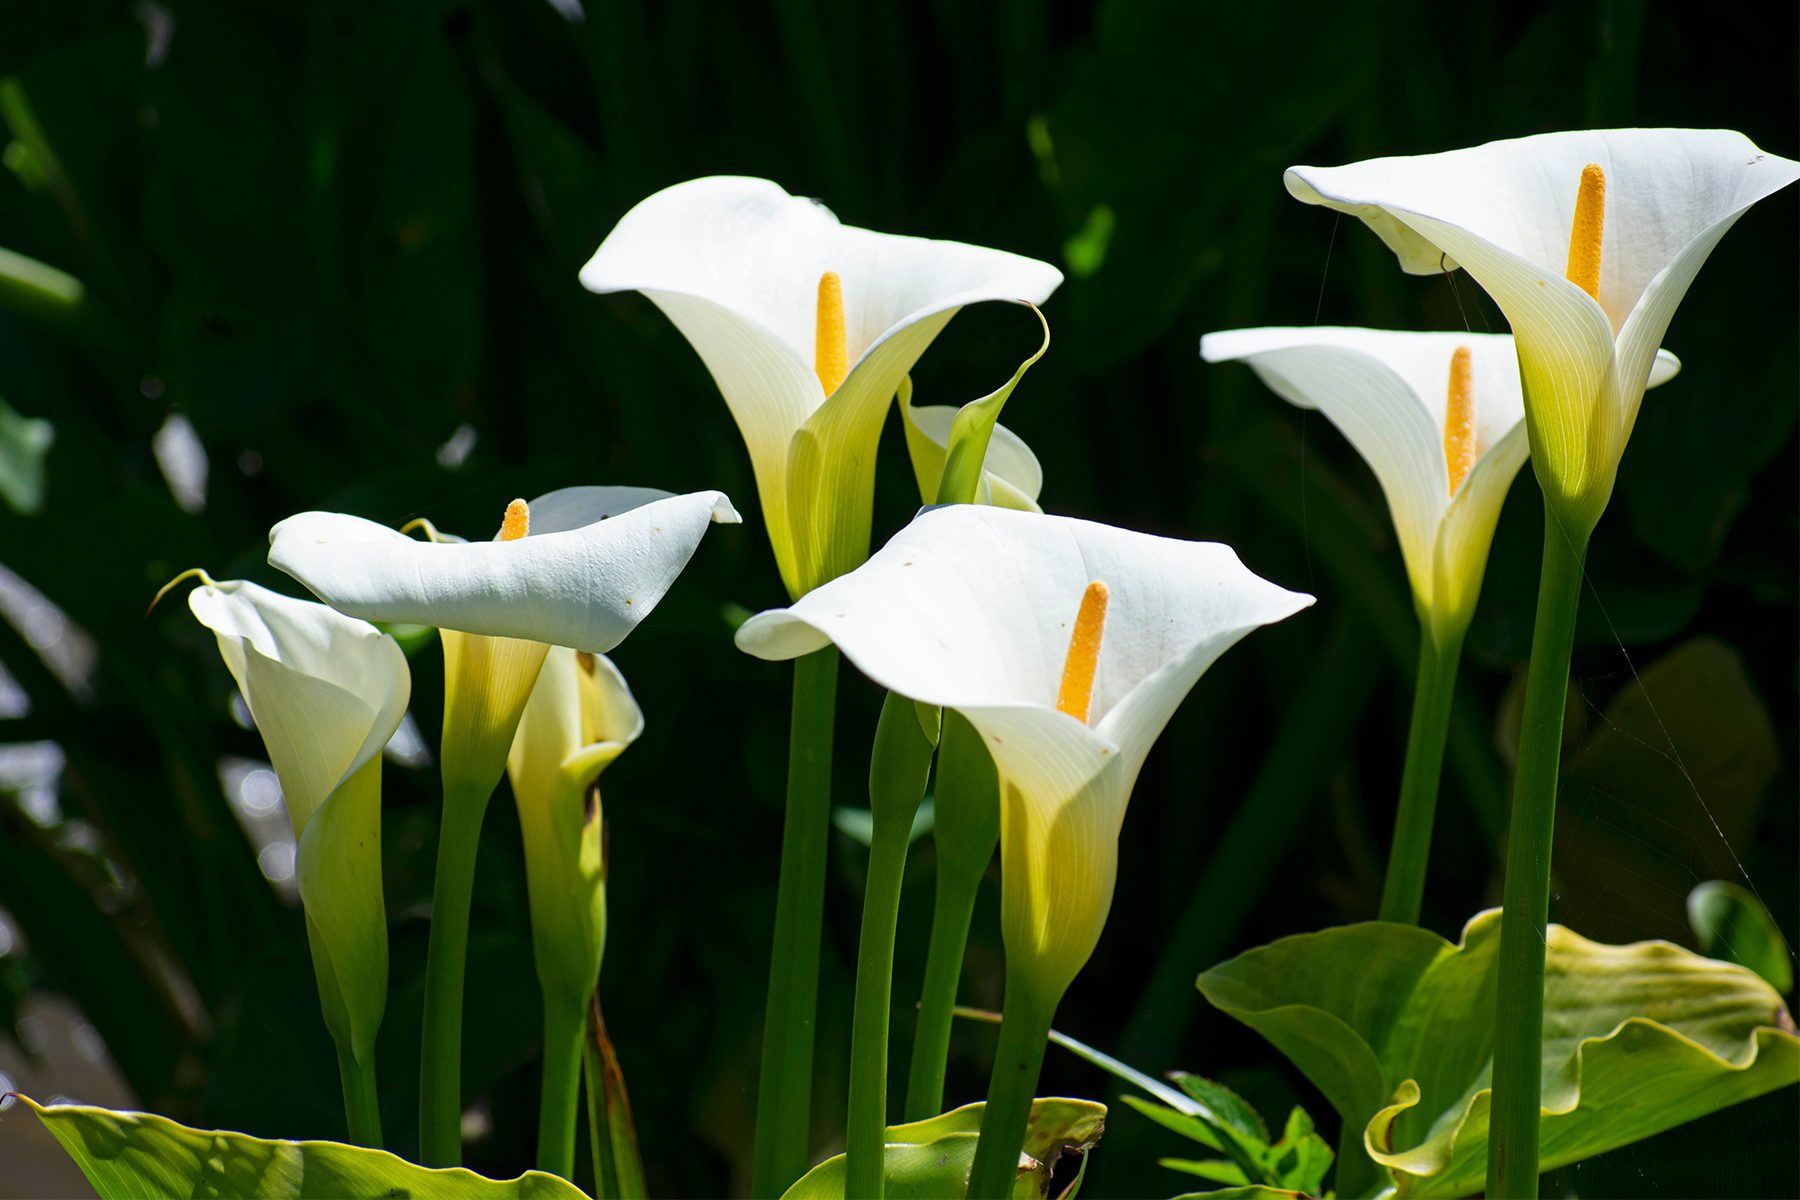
(1394, 1025)
(930, 1159)
(128, 1156)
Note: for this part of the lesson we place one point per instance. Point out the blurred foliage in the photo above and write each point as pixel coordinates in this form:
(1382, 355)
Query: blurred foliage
(341, 240)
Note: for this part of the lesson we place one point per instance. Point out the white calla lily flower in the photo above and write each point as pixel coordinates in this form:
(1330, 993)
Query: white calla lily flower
(1439, 418)
(591, 564)
(1068, 645)
(581, 716)
(1587, 241)
(1011, 476)
(808, 327)
(577, 568)
(326, 692)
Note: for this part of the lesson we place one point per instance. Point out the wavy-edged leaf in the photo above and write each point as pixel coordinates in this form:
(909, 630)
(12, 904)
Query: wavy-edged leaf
(930, 1159)
(1638, 1039)
(127, 1155)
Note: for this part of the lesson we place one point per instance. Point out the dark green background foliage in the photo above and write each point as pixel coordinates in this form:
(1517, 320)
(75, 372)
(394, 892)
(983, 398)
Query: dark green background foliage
(331, 233)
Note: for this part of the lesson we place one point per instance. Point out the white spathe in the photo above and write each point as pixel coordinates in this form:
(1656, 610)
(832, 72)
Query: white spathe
(326, 692)
(970, 608)
(581, 716)
(1503, 212)
(1386, 391)
(735, 263)
(595, 563)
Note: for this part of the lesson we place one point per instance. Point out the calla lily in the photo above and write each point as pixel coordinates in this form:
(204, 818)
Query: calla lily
(1009, 619)
(971, 608)
(326, 692)
(1587, 241)
(808, 327)
(578, 568)
(1010, 474)
(585, 565)
(1439, 418)
(581, 716)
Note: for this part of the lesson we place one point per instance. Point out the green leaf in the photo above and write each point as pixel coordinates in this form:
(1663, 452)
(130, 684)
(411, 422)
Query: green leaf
(1230, 1109)
(1301, 1158)
(1253, 1192)
(129, 1155)
(1215, 1169)
(1731, 923)
(24, 441)
(930, 1159)
(1638, 1039)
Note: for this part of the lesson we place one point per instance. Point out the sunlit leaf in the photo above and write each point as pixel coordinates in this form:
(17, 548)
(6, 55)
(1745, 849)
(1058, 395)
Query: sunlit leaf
(128, 1155)
(930, 1159)
(1394, 1025)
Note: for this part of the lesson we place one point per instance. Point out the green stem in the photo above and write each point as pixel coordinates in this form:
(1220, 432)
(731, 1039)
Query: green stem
(362, 1103)
(1434, 695)
(1512, 1168)
(897, 773)
(565, 1029)
(967, 831)
(784, 1089)
(440, 1063)
(950, 917)
(1024, 1033)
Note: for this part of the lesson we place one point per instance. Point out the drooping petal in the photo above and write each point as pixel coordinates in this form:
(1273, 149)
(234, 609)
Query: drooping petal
(326, 691)
(736, 263)
(586, 587)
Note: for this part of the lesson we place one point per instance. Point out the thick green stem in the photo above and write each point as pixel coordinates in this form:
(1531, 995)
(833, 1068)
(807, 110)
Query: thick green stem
(565, 1030)
(950, 916)
(897, 773)
(1512, 1168)
(1024, 1033)
(784, 1090)
(440, 1062)
(362, 1104)
(1434, 695)
(967, 831)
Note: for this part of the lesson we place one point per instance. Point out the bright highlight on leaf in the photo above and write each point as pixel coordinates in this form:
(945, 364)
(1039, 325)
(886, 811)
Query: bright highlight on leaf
(517, 522)
(1077, 691)
(1585, 230)
(1459, 418)
(831, 343)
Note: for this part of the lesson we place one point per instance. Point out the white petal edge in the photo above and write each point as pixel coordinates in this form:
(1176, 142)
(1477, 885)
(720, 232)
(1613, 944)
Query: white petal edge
(585, 588)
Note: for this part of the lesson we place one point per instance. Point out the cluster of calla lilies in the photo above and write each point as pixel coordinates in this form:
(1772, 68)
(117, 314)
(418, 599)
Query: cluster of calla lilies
(1035, 658)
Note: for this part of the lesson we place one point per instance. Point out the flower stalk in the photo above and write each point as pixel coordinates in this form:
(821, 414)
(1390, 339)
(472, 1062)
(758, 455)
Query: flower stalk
(1024, 1034)
(1519, 1018)
(784, 1089)
(1434, 694)
(966, 834)
(898, 770)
